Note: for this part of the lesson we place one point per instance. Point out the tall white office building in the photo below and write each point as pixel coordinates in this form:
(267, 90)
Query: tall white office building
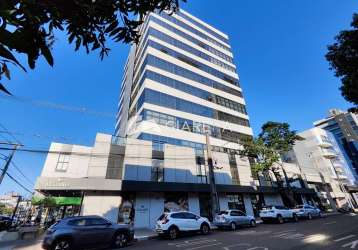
(182, 76)
(180, 83)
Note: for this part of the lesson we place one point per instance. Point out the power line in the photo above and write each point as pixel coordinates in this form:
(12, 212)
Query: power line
(17, 182)
(109, 155)
(10, 133)
(21, 173)
(57, 106)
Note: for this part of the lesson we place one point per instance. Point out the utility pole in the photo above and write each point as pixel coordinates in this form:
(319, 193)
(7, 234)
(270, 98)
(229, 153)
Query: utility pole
(7, 164)
(16, 207)
(215, 206)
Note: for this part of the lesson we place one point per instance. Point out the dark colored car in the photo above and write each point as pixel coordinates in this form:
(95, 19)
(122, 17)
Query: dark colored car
(5, 222)
(87, 232)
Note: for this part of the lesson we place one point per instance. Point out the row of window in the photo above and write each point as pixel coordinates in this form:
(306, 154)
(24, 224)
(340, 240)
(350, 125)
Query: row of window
(191, 39)
(193, 30)
(192, 126)
(177, 70)
(194, 63)
(160, 35)
(210, 31)
(164, 100)
(193, 91)
(231, 104)
(159, 141)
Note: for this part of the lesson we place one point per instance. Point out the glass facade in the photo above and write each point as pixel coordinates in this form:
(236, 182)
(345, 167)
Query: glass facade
(160, 35)
(210, 31)
(194, 63)
(164, 100)
(192, 126)
(193, 30)
(191, 90)
(191, 39)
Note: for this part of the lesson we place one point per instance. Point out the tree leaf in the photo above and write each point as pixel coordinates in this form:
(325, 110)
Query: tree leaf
(8, 55)
(2, 88)
(47, 54)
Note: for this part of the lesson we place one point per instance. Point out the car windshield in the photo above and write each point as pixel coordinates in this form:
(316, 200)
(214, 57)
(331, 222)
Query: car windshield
(267, 207)
(299, 206)
(223, 212)
(162, 217)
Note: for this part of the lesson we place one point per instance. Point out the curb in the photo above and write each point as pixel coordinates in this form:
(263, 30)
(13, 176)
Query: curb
(213, 228)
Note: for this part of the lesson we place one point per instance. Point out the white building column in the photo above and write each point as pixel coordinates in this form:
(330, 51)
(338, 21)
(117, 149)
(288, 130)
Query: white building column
(248, 205)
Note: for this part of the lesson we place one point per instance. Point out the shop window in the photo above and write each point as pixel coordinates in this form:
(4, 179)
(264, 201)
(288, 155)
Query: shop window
(63, 162)
(126, 210)
(235, 201)
(174, 202)
(157, 174)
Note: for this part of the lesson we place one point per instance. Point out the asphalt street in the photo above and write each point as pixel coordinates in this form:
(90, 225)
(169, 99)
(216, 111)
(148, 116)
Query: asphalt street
(331, 233)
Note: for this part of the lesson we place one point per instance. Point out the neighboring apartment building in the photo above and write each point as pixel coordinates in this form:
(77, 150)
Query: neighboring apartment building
(344, 126)
(324, 166)
(180, 83)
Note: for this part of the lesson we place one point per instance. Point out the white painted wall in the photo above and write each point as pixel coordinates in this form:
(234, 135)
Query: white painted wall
(194, 205)
(101, 204)
(248, 205)
(78, 161)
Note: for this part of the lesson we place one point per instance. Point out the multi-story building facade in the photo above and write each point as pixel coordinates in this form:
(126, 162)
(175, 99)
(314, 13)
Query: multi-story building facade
(344, 127)
(180, 83)
(324, 167)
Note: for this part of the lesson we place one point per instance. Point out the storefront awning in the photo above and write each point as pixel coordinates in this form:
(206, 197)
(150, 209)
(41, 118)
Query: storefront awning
(56, 201)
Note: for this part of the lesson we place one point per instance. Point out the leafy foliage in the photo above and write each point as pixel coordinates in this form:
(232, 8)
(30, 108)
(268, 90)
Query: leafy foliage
(27, 26)
(343, 59)
(5, 210)
(274, 140)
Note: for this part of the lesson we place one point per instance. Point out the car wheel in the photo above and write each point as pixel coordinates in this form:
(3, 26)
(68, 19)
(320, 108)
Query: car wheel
(253, 223)
(173, 233)
(295, 218)
(280, 219)
(205, 229)
(233, 226)
(120, 240)
(319, 215)
(62, 244)
(309, 216)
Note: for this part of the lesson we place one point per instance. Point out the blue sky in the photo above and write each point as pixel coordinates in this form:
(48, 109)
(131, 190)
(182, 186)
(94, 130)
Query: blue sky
(278, 45)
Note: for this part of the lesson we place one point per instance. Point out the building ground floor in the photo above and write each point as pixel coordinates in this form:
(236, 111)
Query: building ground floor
(141, 203)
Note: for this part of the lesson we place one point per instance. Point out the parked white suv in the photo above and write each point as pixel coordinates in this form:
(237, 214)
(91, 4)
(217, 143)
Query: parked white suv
(172, 224)
(277, 213)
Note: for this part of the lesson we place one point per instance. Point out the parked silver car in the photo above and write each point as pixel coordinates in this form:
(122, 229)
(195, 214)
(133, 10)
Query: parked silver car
(307, 211)
(233, 218)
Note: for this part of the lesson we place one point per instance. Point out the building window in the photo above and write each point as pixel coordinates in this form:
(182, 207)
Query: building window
(157, 173)
(63, 162)
(235, 201)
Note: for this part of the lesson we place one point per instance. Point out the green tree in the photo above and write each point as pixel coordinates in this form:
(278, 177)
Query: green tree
(274, 141)
(343, 59)
(5, 210)
(27, 26)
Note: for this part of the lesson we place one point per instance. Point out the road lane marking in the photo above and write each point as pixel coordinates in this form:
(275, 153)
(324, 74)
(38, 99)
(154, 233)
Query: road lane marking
(253, 232)
(352, 244)
(256, 248)
(330, 223)
(237, 245)
(210, 245)
(344, 238)
(195, 243)
(190, 241)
